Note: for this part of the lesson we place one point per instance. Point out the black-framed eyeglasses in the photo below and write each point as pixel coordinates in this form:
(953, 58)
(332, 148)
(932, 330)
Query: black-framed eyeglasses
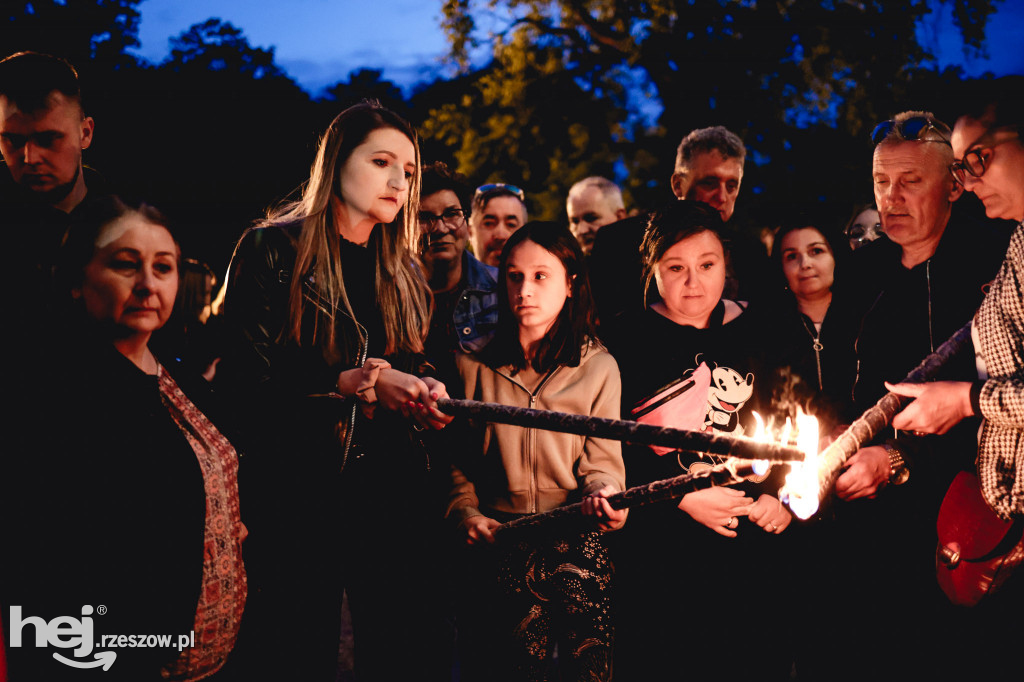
(975, 162)
(495, 187)
(452, 217)
(911, 129)
(863, 233)
(972, 164)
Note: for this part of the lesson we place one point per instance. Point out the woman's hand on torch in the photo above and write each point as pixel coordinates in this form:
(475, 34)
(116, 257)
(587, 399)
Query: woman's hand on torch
(413, 397)
(718, 508)
(596, 506)
(430, 416)
(937, 406)
(770, 514)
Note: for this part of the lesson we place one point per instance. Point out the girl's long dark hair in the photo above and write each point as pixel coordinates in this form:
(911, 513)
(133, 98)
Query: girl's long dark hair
(574, 326)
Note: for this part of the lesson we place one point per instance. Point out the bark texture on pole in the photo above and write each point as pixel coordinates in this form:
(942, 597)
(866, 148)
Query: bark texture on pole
(880, 415)
(620, 429)
(727, 473)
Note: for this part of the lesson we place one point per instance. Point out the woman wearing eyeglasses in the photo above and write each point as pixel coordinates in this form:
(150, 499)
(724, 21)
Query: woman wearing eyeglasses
(864, 226)
(328, 309)
(465, 290)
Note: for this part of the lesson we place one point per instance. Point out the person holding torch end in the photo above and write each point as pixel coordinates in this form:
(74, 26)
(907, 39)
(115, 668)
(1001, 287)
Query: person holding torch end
(326, 312)
(989, 161)
(520, 598)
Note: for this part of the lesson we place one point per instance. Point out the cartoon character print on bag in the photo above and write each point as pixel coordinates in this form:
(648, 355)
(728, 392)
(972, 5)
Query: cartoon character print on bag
(679, 405)
(729, 391)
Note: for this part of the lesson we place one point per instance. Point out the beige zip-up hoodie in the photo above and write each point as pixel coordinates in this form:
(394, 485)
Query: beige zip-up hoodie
(525, 470)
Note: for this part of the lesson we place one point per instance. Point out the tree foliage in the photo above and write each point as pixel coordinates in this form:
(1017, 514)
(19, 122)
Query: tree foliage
(775, 72)
(81, 31)
(523, 120)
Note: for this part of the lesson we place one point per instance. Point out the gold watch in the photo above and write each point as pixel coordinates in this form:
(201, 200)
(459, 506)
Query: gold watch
(899, 471)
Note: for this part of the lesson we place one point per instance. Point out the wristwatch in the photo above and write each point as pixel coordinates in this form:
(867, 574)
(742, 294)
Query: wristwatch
(899, 471)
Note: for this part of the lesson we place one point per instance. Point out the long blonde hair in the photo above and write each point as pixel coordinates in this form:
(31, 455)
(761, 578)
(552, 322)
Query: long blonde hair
(402, 292)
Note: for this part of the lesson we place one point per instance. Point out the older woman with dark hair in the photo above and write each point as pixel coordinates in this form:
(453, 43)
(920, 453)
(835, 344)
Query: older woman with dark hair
(134, 495)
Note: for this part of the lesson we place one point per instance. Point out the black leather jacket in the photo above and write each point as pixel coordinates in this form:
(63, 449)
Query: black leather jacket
(274, 381)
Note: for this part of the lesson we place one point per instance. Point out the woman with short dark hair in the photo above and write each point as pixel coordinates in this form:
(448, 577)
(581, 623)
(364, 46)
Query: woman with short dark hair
(694, 360)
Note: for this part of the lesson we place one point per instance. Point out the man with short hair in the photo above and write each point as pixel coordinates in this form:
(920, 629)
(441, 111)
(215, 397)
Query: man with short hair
(465, 290)
(709, 168)
(43, 131)
(499, 209)
(593, 203)
(43, 184)
(916, 288)
(925, 282)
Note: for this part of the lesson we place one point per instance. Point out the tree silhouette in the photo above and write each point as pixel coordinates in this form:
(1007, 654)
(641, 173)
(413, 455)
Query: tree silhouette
(81, 31)
(791, 78)
(217, 45)
(367, 84)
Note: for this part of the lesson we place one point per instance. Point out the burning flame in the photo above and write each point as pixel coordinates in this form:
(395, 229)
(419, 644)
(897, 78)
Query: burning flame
(800, 490)
(760, 466)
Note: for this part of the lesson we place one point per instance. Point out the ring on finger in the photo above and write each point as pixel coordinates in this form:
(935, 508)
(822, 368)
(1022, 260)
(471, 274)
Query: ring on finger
(770, 527)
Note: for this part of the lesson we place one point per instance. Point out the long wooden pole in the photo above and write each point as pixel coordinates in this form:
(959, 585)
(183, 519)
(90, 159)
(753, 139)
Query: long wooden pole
(880, 415)
(620, 429)
(726, 473)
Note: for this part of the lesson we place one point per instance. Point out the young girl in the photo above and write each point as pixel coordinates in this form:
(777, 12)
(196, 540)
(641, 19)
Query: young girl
(327, 312)
(543, 356)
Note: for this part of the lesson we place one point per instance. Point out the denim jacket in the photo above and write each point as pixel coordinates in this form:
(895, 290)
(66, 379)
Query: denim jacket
(476, 313)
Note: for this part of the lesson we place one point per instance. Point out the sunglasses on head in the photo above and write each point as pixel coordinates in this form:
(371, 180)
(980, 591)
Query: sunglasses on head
(911, 129)
(495, 187)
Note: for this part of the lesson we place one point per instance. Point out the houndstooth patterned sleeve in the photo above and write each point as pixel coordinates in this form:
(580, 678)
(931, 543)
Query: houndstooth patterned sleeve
(1000, 323)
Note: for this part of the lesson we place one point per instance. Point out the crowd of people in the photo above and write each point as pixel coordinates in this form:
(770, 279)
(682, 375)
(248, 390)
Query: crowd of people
(229, 468)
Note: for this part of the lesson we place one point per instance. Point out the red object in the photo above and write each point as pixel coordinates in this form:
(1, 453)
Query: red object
(977, 549)
(3, 661)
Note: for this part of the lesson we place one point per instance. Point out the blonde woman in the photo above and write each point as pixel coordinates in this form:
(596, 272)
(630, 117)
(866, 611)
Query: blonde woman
(328, 310)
